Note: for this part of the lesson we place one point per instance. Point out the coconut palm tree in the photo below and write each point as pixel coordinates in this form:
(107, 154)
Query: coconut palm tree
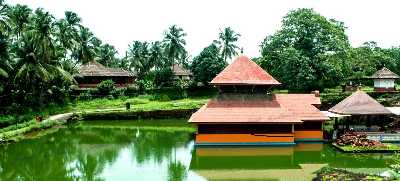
(84, 48)
(106, 55)
(139, 56)
(4, 26)
(67, 30)
(174, 44)
(4, 63)
(226, 42)
(33, 70)
(156, 55)
(19, 18)
(42, 30)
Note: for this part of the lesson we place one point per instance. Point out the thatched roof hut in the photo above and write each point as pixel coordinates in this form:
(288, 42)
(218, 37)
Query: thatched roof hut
(384, 73)
(384, 80)
(359, 103)
(95, 69)
(92, 73)
(180, 71)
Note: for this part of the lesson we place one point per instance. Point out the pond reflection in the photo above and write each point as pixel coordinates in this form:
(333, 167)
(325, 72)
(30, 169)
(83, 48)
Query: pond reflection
(92, 153)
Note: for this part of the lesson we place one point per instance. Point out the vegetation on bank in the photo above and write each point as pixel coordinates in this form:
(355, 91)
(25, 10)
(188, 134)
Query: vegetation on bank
(15, 132)
(360, 149)
(335, 174)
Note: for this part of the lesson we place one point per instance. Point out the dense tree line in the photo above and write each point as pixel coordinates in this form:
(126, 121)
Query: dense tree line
(39, 56)
(312, 52)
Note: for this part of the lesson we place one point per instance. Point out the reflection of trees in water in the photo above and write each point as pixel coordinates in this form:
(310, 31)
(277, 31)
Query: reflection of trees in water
(176, 171)
(89, 167)
(83, 153)
(20, 161)
(157, 145)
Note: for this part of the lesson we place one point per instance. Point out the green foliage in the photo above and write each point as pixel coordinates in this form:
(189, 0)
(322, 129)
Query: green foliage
(132, 90)
(307, 53)
(7, 120)
(163, 77)
(106, 87)
(139, 57)
(161, 97)
(207, 65)
(106, 55)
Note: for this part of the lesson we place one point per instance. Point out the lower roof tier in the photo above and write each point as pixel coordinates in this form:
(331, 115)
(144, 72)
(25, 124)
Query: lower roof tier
(260, 108)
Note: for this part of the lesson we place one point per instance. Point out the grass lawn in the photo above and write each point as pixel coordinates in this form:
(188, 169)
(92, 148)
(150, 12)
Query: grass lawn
(149, 124)
(138, 103)
(348, 148)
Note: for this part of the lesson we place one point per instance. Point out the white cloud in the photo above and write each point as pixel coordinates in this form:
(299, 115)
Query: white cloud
(119, 22)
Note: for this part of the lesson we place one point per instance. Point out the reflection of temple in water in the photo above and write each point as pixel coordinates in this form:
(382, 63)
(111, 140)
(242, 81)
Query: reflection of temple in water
(290, 163)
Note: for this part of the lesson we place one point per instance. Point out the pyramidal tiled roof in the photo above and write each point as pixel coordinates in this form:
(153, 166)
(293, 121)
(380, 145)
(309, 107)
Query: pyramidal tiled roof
(94, 68)
(244, 71)
(359, 103)
(384, 73)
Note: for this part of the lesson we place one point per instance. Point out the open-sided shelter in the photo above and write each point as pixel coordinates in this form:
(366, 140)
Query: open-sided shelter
(365, 113)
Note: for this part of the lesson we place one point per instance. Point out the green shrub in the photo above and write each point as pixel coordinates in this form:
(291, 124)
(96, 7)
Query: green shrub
(132, 90)
(161, 97)
(85, 96)
(106, 87)
(163, 77)
(7, 120)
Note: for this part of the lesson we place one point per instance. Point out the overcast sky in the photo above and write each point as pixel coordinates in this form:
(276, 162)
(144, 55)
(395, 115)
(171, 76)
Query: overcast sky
(119, 22)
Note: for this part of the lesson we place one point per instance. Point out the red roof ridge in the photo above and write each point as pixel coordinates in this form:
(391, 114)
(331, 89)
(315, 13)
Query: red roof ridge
(243, 71)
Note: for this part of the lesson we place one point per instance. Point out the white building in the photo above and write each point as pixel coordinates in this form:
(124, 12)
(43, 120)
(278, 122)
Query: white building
(384, 80)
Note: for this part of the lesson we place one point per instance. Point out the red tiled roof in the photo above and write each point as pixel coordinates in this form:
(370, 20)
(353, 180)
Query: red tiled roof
(280, 108)
(244, 71)
(302, 106)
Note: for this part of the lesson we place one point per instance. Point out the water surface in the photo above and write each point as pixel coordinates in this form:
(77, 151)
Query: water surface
(135, 153)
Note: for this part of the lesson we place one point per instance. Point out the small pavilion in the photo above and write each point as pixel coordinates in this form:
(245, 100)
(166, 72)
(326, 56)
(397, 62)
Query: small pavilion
(384, 80)
(92, 73)
(365, 114)
(245, 112)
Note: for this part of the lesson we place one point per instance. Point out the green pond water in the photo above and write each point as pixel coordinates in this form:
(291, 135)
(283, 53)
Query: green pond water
(113, 152)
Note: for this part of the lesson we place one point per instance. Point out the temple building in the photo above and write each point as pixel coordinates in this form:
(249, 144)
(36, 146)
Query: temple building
(92, 73)
(245, 112)
(384, 80)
